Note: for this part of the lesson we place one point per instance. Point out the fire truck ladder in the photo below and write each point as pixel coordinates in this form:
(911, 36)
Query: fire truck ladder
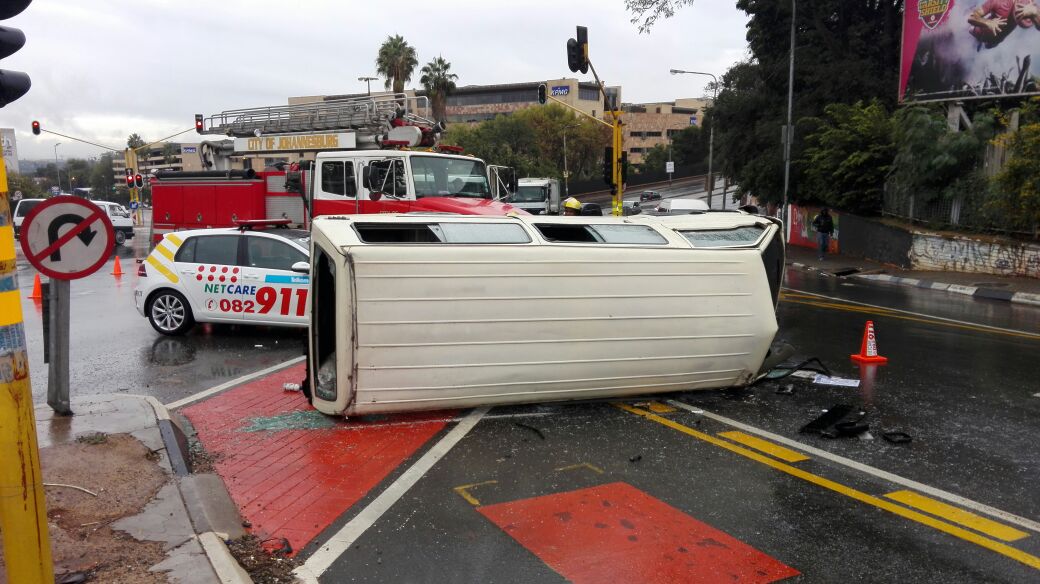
(363, 114)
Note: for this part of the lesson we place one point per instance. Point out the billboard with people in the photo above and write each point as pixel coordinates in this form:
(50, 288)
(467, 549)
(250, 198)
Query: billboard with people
(969, 49)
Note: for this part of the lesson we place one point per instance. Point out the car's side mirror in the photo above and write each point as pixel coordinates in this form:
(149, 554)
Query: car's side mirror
(366, 177)
(301, 268)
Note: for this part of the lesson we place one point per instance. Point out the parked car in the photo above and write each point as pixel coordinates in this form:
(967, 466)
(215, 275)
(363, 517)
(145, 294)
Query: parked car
(649, 196)
(234, 276)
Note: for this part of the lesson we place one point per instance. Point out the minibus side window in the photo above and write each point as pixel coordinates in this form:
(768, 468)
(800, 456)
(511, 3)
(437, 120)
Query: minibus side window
(323, 326)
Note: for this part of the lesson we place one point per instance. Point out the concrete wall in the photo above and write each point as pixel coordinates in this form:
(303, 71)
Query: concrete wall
(801, 233)
(965, 254)
(866, 238)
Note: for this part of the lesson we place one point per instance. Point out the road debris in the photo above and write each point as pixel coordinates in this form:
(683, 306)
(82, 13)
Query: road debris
(841, 420)
(531, 428)
(897, 437)
(821, 379)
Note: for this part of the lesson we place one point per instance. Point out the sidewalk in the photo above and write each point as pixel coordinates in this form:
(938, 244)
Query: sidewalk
(1004, 288)
(121, 504)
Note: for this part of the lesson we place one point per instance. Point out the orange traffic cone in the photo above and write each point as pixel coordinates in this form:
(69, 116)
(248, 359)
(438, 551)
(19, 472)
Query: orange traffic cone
(116, 269)
(868, 352)
(37, 293)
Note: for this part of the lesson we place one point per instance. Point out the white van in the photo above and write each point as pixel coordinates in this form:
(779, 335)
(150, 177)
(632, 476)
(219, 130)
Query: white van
(122, 224)
(21, 210)
(415, 312)
(681, 206)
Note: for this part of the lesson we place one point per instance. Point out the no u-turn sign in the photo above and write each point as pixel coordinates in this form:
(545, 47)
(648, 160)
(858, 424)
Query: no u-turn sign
(67, 238)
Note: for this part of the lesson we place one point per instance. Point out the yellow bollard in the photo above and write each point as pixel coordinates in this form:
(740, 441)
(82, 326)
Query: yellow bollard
(23, 511)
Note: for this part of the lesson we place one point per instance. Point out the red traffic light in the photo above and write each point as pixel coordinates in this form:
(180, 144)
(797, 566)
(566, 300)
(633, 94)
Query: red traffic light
(36, 127)
(198, 123)
(139, 181)
(129, 178)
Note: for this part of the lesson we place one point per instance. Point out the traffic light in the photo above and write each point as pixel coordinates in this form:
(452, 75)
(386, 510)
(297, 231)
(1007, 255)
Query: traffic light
(13, 84)
(578, 51)
(198, 123)
(36, 127)
(624, 167)
(608, 166)
(543, 96)
(139, 181)
(129, 178)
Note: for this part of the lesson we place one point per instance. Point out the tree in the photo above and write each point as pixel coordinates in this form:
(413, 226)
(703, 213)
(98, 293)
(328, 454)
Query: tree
(848, 157)
(25, 184)
(1017, 186)
(531, 141)
(101, 178)
(77, 172)
(655, 158)
(135, 141)
(438, 83)
(847, 51)
(396, 61)
(170, 152)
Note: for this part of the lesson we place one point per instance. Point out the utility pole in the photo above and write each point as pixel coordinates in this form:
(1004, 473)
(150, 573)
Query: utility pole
(788, 129)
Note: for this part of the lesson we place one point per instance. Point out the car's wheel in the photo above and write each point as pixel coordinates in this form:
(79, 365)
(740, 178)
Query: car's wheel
(120, 238)
(169, 313)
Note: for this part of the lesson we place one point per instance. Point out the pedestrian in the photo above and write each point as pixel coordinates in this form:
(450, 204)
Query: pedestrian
(824, 226)
(571, 206)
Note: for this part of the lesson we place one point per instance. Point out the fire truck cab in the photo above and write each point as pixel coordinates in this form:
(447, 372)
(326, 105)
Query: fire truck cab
(370, 155)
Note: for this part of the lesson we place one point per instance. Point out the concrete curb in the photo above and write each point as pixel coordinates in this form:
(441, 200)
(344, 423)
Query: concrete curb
(220, 559)
(974, 291)
(987, 293)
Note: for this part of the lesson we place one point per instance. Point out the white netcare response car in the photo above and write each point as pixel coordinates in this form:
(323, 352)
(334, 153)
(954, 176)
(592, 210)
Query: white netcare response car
(231, 276)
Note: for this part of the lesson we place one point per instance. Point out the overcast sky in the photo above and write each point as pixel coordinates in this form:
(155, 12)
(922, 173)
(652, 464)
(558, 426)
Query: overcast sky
(103, 69)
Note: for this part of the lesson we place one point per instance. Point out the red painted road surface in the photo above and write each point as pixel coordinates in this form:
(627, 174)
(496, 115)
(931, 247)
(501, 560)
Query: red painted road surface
(617, 533)
(291, 470)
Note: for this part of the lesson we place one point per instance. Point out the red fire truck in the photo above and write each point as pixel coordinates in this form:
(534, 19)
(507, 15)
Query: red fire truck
(371, 155)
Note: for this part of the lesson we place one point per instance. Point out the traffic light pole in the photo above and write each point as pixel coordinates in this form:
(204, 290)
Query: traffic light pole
(23, 510)
(618, 189)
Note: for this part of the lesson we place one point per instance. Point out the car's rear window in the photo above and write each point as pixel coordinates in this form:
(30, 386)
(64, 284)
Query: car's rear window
(24, 207)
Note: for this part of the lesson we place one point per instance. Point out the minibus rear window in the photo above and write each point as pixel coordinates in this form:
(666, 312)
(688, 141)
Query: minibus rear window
(458, 233)
(614, 234)
(738, 237)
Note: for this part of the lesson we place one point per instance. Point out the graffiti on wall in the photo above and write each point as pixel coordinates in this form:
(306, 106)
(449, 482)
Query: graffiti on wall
(801, 233)
(959, 254)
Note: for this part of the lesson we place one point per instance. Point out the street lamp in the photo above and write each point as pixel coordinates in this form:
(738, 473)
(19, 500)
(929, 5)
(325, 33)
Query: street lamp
(57, 169)
(711, 135)
(368, 81)
(566, 187)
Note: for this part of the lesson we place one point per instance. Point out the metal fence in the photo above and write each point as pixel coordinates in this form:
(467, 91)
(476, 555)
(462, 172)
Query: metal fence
(969, 212)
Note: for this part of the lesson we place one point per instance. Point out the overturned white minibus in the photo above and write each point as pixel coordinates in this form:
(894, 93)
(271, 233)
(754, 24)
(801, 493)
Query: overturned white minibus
(414, 312)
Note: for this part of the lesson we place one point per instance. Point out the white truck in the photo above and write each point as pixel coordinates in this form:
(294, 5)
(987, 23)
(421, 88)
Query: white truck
(537, 196)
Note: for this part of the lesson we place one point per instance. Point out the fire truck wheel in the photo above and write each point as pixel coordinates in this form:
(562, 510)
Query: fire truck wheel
(120, 238)
(169, 313)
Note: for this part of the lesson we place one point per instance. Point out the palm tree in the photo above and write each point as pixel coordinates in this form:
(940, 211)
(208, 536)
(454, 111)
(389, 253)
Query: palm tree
(438, 83)
(396, 61)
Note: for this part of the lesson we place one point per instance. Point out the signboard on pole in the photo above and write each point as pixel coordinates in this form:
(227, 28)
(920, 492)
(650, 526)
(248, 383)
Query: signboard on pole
(67, 238)
(969, 49)
(669, 167)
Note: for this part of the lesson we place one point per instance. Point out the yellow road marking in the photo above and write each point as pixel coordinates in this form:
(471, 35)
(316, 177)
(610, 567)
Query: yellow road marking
(165, 252)
(463, 491)
(766, 446)
(162, 269)
(176, 241)
(660, 408)
(594, 469)
(890, 314)
(10, 308)
(961, 533)
(956, 515)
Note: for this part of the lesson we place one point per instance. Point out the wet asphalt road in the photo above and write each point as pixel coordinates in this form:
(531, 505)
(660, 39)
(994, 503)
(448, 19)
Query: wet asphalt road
(113, 348)
(965, 393)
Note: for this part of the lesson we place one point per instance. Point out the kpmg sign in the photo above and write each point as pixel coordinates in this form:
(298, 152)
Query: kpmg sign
(559, 90)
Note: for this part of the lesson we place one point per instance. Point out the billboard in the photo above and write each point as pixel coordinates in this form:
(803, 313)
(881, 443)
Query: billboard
(969, 49)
